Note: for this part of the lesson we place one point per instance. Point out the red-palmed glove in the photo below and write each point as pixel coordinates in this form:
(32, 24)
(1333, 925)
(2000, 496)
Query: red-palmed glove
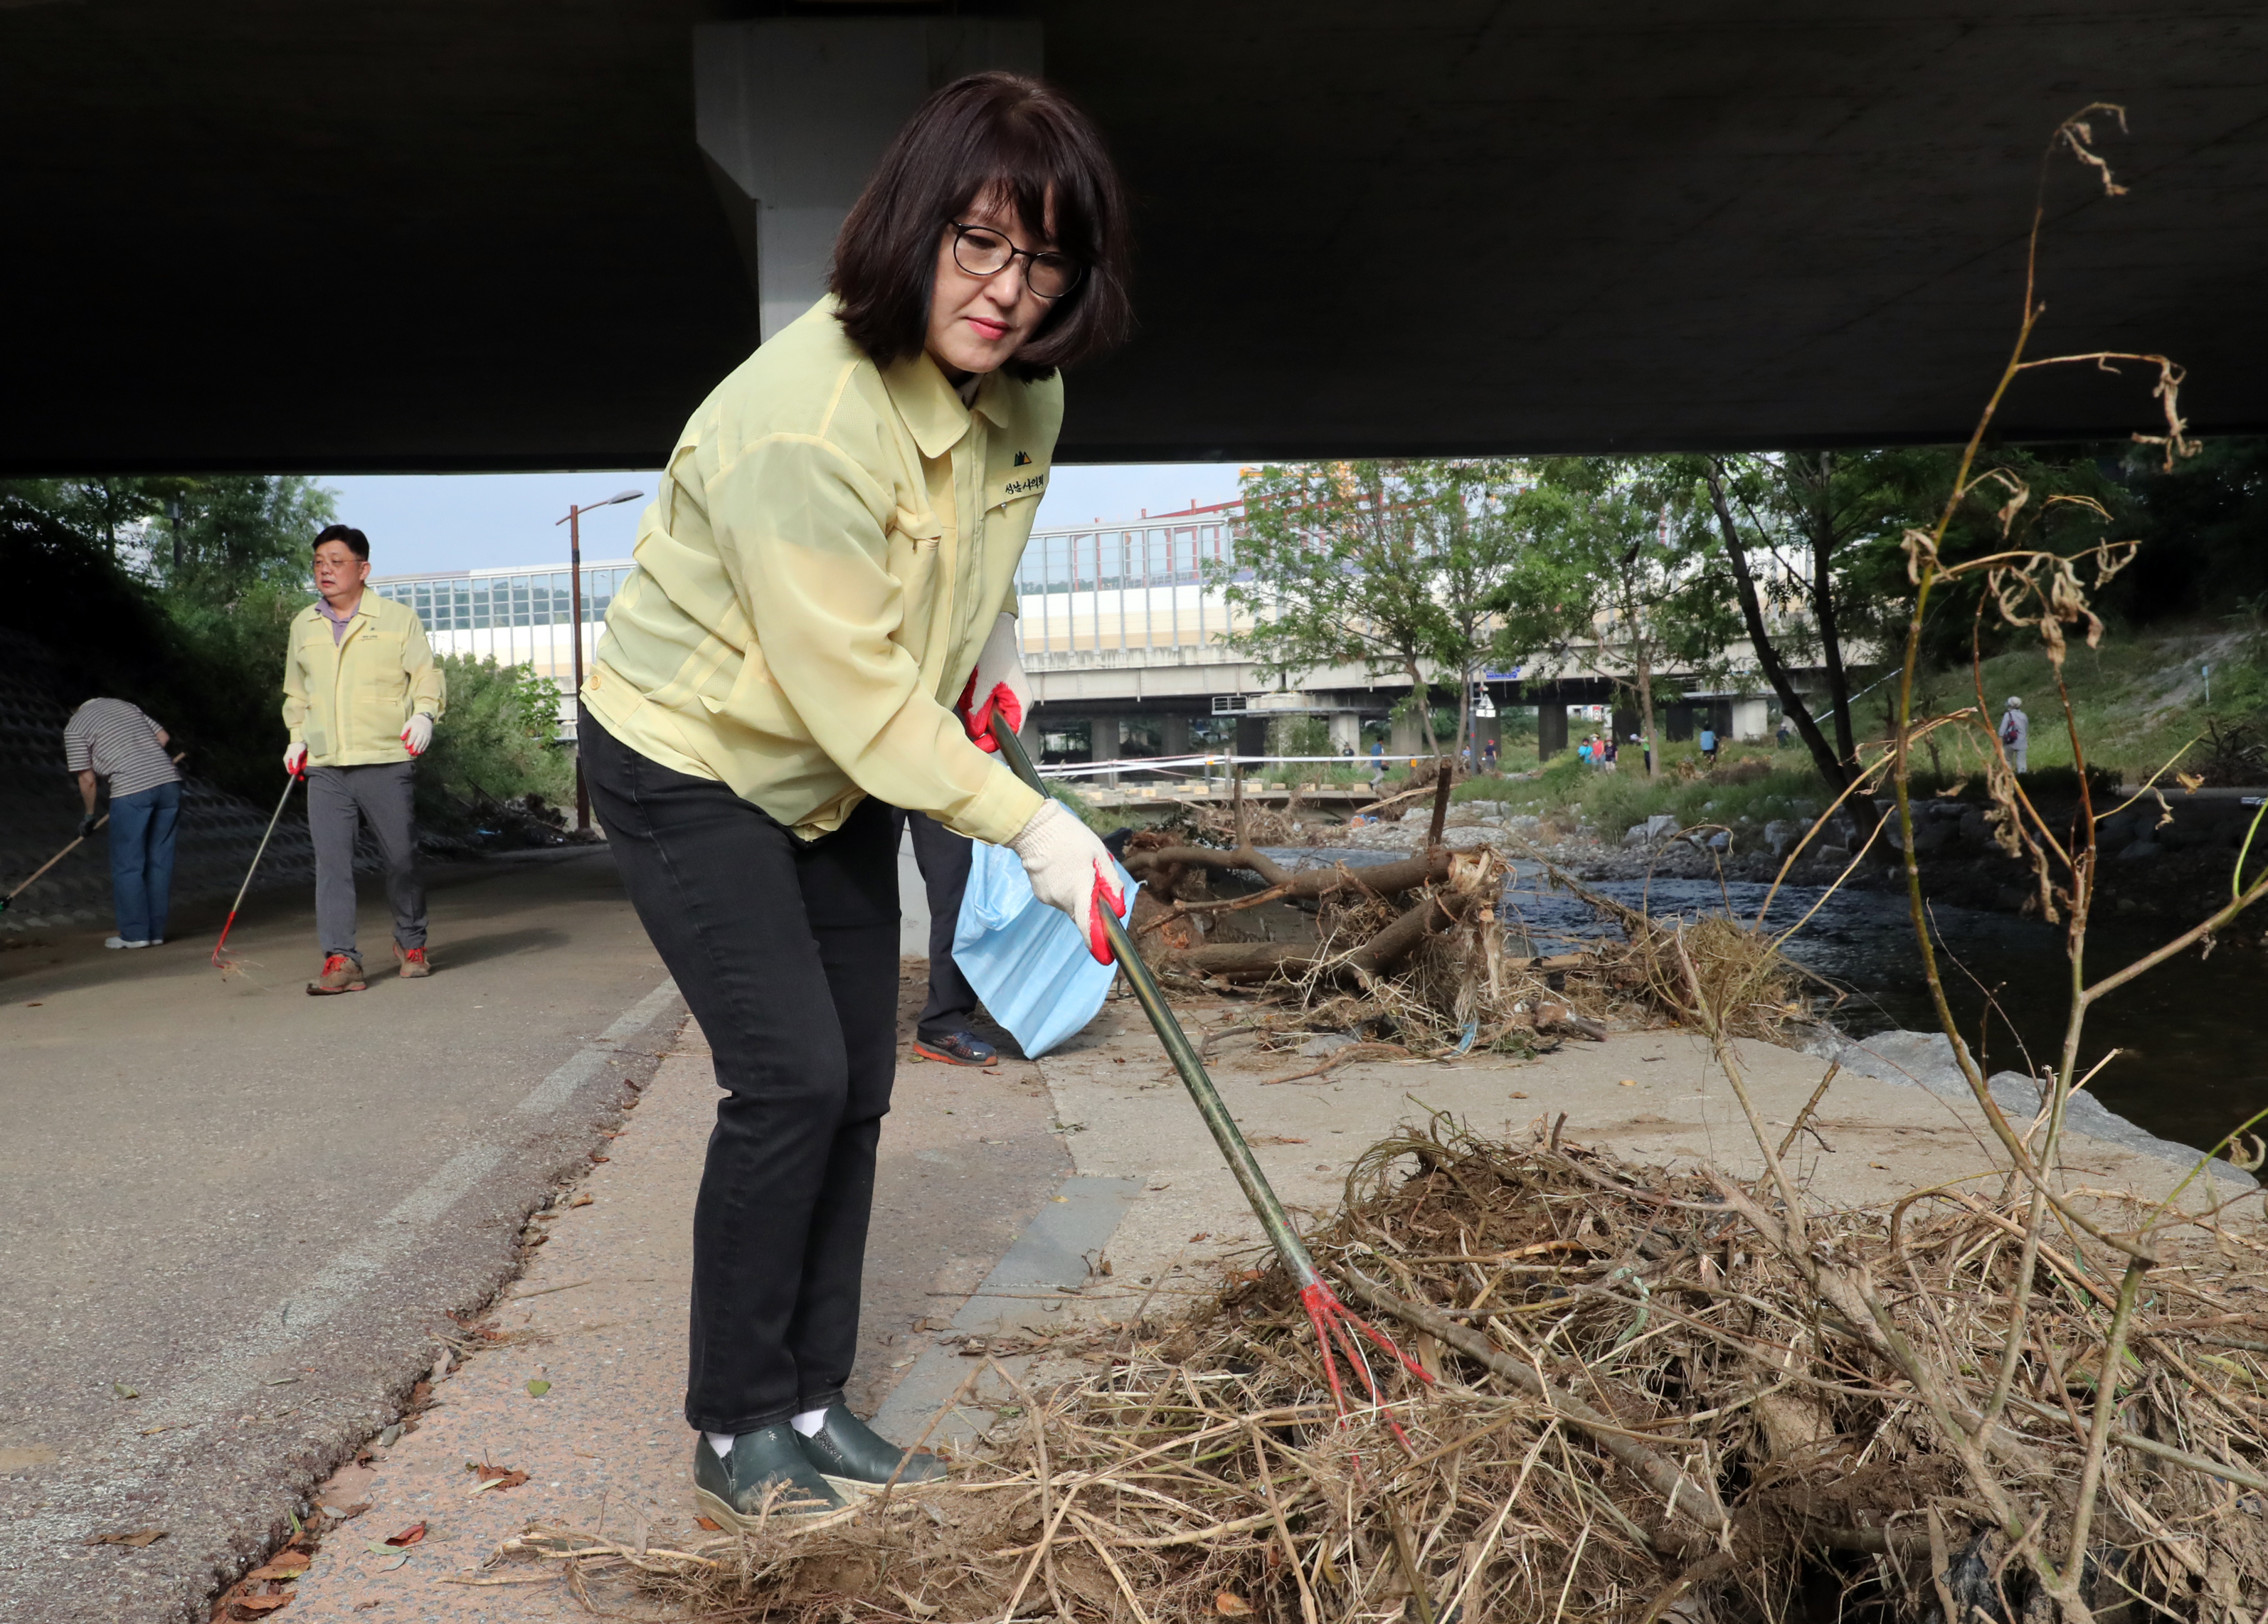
(417, 735)
(997, 693)
(1073, 870)
(294, 759)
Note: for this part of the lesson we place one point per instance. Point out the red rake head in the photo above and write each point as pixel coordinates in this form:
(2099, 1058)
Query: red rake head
(1335, 1324)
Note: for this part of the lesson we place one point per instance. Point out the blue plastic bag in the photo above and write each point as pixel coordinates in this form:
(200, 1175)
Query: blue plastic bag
(1027, 960)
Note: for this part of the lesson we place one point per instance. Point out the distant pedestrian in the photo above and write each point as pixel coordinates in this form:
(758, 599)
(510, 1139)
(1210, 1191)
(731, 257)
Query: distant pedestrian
(111, 738)
(1611, 752)
(1489, 755)
(1583, 752)
(1377, 763)
(2016, 735)
(1709, 744)
(1782, 735)
(361, 694)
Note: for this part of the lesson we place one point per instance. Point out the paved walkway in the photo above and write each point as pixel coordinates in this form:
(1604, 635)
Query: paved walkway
(234, 1212)
(239, 1219)
(1097, 1152)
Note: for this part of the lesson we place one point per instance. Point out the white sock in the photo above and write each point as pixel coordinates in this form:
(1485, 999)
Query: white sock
(809, 1423)
(722, 1443)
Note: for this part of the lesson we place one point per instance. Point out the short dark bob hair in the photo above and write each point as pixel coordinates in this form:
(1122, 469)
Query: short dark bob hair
(988, 132)
(357, 543)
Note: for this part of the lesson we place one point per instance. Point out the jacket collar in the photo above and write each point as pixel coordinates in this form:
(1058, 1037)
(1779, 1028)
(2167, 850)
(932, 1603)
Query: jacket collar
(365, 607)
(933, 408)
(927, 403)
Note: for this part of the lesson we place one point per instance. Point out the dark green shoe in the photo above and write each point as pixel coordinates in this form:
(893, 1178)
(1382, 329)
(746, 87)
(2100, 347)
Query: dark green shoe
(857, 1460)
(732, 1490)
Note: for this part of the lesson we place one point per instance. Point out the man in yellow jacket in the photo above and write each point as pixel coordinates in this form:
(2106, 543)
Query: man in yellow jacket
(361, 694)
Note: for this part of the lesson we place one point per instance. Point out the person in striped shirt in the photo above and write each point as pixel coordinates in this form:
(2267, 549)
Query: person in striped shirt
(113, 739)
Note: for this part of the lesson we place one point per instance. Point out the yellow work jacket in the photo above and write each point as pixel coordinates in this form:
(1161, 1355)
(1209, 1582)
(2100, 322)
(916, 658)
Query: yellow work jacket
(348, 700)
(829, 548)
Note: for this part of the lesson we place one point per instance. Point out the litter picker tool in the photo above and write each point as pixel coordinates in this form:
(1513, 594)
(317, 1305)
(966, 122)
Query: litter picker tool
(221, 961)
(1338, 1329)
(50, 864)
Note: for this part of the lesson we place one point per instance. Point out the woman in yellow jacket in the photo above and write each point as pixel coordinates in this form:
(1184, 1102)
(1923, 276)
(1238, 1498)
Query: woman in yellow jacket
(821, 628)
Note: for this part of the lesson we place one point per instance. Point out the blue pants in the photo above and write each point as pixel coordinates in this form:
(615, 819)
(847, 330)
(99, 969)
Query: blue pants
(142, 859)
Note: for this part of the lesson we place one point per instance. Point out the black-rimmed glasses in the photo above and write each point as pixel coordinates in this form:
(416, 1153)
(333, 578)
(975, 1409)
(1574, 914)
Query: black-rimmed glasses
(983, 251)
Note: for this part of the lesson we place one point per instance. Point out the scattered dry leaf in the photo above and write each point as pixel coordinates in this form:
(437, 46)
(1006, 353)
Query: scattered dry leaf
(711, 1527)
(494, 1477)
(537, 1387)
(408, 1537)
(580, 1201)
(137, 1538)
(1230, 1603)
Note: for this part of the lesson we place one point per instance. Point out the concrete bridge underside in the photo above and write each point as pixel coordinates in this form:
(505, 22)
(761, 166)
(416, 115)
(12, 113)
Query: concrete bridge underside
(406, 234)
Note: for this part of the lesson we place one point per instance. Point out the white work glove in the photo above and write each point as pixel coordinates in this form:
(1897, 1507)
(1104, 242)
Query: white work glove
(1073, 870)
(418, 734)
(997, 692)
(294, 759)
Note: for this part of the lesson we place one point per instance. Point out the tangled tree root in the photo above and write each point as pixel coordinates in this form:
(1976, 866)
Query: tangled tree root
(1645, 1409)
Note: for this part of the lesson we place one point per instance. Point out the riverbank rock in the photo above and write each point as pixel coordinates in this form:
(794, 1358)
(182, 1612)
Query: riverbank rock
(1926, 1060)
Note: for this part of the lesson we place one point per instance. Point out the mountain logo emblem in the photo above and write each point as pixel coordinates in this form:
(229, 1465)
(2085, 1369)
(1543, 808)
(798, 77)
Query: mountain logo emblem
(1023, 459)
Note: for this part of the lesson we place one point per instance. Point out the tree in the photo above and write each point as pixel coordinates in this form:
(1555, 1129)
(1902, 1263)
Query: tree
(1388, 565)
(1611, 578)
(229, 533)
(1812, 544)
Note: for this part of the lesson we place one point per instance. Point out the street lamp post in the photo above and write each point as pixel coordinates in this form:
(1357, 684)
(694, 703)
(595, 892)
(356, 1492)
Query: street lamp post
(574, 523)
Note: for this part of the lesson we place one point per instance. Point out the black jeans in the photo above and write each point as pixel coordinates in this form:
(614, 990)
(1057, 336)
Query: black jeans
(944, 858)
(787, 952)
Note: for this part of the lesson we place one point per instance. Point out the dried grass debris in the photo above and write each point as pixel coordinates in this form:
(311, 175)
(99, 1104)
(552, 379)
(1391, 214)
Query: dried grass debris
(1645, 1407)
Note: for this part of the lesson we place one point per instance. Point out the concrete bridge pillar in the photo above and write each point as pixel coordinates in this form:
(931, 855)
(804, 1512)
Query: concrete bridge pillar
(1173, 735)
(1346, 731)
(1484, 729)
(1551, 729)
(793, 114)
(1751, 719)
(1102, 744)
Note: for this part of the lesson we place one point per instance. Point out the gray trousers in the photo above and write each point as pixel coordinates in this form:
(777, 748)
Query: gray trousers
(380, 796)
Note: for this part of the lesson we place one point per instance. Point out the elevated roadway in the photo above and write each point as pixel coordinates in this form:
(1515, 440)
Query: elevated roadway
(405, 234)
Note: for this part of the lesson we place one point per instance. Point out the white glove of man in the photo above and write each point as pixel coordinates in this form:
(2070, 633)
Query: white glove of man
(418, 734)
(1072, 870)
(294, 759)
(997, 692)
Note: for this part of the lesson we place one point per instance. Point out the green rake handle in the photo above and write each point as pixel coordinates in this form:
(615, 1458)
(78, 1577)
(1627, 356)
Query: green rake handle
(1226, 1133)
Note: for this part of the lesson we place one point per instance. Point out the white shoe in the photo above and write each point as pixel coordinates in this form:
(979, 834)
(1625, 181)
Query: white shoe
(120, 941)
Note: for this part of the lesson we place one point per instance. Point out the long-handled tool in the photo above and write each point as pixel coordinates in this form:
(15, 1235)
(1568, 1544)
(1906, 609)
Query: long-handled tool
(51, 863)
(220, 962)
(1335, 1324)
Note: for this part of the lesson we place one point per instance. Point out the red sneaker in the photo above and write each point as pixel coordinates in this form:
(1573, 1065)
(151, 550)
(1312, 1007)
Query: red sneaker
(341, 973)
(413, 962)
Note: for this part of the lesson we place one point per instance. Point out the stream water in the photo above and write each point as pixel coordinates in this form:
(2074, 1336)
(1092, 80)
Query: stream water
(2192, 1034)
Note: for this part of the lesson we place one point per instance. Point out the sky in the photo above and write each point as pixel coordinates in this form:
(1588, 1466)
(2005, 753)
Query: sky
(419, 523)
